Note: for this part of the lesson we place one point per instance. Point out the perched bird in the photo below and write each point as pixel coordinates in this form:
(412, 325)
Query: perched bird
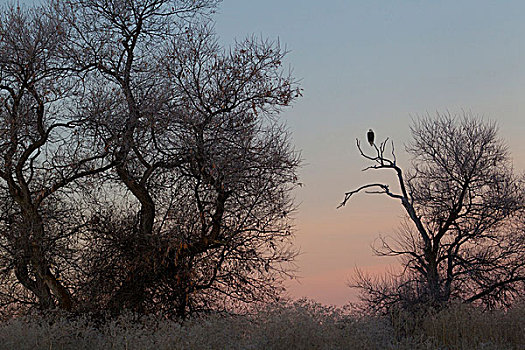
(370, 136)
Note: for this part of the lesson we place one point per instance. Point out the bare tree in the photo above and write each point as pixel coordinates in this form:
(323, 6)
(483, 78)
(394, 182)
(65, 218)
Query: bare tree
(193, 134)
(242, 166)
(462, 238)
(43, 153)
(144, 166)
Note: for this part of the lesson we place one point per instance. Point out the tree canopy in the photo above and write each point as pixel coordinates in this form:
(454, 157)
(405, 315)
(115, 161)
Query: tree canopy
(464, 237)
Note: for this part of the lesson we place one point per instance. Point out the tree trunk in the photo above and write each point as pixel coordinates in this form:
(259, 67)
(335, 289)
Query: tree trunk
(45, 285)
(37, 287)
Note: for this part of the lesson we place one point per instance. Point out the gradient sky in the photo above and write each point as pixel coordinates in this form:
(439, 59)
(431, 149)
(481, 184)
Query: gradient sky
(376, 64)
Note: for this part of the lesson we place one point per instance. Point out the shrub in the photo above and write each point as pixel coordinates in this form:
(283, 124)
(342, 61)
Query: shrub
(299, 324)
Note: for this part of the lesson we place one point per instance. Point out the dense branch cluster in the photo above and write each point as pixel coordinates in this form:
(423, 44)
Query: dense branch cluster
(142, 164)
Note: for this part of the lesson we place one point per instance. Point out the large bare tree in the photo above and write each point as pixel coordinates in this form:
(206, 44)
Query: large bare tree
(192, 131)
(144, 166)
(462, 238)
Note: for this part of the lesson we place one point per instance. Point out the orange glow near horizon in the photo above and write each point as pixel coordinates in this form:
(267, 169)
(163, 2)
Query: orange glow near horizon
(334, 242)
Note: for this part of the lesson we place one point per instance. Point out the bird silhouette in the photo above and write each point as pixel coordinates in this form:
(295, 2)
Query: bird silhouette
(370, 137)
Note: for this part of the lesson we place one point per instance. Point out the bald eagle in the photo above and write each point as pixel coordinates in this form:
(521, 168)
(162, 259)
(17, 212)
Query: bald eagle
(370, 136)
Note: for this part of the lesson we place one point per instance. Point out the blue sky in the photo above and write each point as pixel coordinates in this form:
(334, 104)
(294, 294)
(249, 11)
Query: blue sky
(376, 64)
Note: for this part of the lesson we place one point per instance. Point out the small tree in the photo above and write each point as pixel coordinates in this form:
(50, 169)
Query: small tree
(462, 200)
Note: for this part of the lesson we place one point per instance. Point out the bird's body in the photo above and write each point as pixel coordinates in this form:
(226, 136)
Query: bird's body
(370, 137)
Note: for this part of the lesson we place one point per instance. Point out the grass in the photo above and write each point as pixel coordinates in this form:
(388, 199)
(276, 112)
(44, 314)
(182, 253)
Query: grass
(293, 325)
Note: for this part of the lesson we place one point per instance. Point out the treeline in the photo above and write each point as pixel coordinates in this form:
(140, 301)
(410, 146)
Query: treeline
(143, 165)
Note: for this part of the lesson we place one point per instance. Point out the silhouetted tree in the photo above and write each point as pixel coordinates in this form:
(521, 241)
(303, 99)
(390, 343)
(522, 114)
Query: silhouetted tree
(462, 238)
(43, 152)
(192, 132)
(144, 166)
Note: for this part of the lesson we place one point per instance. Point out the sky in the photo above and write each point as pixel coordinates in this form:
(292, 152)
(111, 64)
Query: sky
(377, 64)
